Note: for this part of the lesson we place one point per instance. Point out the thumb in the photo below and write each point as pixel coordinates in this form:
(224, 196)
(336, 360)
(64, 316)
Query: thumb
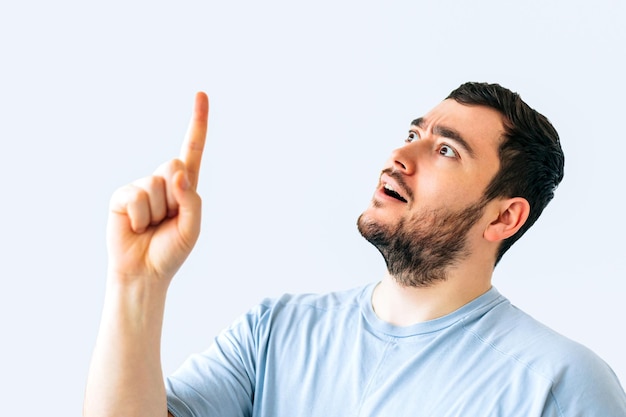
(189, 209)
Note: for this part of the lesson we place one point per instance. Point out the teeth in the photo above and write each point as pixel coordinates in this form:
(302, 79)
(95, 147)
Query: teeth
(389, 190)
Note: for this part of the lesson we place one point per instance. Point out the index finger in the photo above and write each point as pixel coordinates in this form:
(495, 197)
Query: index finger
(193, 145)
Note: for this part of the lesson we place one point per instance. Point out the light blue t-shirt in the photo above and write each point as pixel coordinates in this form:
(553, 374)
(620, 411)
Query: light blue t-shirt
(330, 355)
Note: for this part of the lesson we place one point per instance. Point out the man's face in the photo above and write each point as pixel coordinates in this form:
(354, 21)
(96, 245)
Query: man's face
(430, 192)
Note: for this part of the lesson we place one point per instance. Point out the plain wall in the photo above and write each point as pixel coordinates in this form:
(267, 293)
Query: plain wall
(307, 101)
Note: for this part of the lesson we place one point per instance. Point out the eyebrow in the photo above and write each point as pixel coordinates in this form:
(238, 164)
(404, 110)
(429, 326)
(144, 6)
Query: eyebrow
(447, 132)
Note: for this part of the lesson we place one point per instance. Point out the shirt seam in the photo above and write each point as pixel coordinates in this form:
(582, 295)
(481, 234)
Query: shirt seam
(526, 365)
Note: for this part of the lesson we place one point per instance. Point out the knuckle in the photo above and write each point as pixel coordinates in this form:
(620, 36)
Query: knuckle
(169, 168)
(154, 183)
(120, 196)
(147, 183)
(137, 196)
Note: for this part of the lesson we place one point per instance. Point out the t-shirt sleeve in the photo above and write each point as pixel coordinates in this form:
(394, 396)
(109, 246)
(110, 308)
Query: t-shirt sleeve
(588, 387)
(221, 380)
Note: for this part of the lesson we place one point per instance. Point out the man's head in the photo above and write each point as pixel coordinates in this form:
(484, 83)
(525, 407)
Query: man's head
(474, 174)
(531, 158)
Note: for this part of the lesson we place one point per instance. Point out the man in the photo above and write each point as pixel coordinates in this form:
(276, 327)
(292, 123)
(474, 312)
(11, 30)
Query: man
(433, 338)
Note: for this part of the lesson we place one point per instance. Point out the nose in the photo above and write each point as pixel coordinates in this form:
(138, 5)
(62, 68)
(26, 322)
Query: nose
(404, 159)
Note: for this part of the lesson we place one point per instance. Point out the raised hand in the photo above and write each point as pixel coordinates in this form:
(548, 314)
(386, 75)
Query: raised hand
(155, 221)
(153, 225)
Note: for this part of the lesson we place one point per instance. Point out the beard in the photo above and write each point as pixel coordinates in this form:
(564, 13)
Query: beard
(420, 250)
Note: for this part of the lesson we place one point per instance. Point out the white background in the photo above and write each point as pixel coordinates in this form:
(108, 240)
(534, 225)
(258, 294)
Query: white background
(307, 101)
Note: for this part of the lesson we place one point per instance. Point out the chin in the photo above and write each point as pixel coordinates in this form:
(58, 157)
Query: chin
(370, 219)
(374, 227)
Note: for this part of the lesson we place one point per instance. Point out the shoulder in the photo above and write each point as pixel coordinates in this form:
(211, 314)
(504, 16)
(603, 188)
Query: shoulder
(332, 301)
(515, 334)
(577, 376)
(292, 310)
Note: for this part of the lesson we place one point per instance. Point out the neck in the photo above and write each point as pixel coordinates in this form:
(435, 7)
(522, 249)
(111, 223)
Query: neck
(402, 306)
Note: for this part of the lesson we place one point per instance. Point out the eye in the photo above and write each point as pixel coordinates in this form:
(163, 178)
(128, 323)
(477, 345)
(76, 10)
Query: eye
(448, 151)
(413, 136)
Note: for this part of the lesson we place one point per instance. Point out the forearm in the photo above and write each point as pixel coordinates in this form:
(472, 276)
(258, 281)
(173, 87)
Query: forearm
(125, 377)
(153, 224)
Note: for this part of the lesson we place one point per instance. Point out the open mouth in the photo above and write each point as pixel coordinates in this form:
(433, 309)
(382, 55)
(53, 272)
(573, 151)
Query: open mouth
(388, 190)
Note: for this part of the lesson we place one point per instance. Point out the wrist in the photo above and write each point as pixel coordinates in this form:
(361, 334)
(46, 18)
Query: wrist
(140, 299)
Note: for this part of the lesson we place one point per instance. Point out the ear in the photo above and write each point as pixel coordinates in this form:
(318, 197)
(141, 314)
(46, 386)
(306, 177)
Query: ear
(511, 216)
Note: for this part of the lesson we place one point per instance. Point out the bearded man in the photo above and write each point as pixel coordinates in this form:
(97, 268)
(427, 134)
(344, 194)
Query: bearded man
(432, 338)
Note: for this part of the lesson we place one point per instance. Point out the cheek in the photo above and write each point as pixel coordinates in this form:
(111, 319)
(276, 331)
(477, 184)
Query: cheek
(448, 192)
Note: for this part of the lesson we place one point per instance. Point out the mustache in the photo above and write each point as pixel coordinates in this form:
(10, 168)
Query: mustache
(399, 178)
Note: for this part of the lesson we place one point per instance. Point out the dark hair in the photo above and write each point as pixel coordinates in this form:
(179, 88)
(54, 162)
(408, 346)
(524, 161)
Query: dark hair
(531, 158)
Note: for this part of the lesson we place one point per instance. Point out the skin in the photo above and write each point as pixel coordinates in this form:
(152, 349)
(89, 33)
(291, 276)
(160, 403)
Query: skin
(419, 251)
(153, 225)
(444, 167)
(155, 221)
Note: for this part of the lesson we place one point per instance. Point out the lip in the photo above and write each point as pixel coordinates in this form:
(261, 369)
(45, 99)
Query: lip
(386, 179)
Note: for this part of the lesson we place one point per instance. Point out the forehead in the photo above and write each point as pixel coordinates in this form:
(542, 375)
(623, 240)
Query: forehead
(480, 126)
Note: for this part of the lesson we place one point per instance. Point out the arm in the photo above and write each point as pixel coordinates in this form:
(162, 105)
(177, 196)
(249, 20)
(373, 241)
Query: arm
(153, 225)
